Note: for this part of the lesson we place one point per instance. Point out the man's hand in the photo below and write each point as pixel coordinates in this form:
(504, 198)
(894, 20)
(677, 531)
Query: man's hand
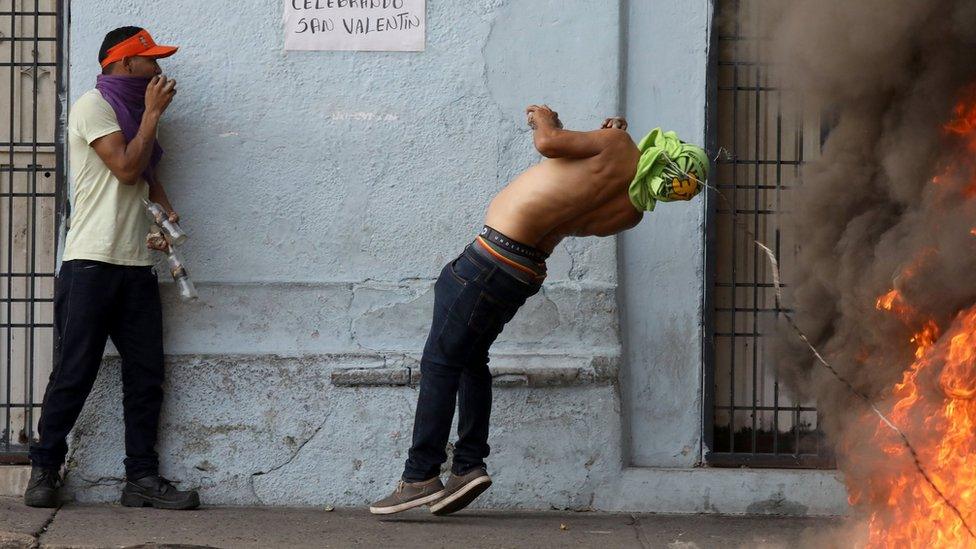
(542, 116)
(173, 217)
(617, 122)
(156, 241)
(159, 94)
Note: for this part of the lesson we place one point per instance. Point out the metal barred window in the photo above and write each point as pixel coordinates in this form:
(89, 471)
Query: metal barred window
(31, 172)
(761, 143)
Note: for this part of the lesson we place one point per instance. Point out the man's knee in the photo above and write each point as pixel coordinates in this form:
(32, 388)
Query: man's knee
(145, 379)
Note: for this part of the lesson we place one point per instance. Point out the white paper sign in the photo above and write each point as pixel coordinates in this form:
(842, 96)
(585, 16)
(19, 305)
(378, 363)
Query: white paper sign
(359, 25)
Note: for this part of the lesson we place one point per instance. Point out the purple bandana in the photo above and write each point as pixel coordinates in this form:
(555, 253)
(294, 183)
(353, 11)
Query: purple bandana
(127, 96)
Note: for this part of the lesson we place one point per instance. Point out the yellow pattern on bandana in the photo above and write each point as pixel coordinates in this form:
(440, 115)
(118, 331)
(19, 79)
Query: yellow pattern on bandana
(668, 170)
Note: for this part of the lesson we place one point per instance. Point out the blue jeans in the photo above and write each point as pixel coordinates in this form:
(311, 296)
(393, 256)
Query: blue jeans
(473, 300)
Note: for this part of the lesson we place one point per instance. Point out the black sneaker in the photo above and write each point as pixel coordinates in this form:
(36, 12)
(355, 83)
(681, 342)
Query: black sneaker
(155, 491)
(409, 495)
(43, 488)
(461, 491)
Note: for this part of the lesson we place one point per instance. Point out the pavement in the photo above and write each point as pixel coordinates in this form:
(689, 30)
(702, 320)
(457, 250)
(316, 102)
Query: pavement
(90, 526)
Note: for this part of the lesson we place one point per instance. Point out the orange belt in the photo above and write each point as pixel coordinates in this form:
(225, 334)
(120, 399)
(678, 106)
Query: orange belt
(507, 261)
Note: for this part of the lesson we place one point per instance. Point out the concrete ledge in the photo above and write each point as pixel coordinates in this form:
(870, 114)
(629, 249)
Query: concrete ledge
(398, 377)
(806, 493)
(507, 371)
(13, 480)
(371, 377)
(397, 369)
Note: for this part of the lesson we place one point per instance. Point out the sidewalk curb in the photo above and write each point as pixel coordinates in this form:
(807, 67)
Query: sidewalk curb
(96, 526)
(13, 480)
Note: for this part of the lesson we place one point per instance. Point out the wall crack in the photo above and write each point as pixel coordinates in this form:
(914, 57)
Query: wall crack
(37, 534)
(290, 459)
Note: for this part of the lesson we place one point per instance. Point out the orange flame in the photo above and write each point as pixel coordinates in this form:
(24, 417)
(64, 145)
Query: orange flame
(963, 123)
(887, 301)
(935, 406)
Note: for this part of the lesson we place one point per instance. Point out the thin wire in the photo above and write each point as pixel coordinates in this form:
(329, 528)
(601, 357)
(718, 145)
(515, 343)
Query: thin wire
(774, 263)
(859, 394)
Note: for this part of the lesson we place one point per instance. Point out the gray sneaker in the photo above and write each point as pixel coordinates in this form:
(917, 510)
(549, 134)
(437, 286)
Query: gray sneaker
(409, 495)
(461, 491)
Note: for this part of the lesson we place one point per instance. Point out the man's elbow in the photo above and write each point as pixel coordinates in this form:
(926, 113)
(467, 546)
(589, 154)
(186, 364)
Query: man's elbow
(127, 177)
(546, 146)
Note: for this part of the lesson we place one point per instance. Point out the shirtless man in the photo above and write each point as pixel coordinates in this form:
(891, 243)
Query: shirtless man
(595, 183)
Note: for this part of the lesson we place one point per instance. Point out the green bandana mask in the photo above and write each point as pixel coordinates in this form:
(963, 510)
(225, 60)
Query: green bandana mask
(668, 170)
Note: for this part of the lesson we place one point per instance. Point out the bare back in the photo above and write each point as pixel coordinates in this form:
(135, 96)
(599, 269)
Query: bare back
(562, 197)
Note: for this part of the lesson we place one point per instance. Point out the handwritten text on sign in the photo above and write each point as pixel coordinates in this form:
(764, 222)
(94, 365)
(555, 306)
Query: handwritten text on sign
(363, 25)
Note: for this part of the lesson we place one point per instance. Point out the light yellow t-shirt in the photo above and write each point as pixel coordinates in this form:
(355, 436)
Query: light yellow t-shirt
(108, 220)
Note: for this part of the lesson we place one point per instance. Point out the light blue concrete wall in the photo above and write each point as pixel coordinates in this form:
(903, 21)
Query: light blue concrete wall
(309, 177)
(323, 167)
(661, 260)
(323, 192)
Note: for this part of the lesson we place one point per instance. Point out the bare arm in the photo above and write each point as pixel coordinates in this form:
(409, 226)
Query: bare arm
(552, 141)
(127, 160)
(157, 194)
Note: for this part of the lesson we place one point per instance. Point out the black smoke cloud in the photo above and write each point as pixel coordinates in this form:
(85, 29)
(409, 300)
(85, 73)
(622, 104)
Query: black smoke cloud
(869, 217)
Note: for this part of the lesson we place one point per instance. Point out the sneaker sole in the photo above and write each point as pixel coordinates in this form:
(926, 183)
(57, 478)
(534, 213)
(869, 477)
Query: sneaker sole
(407, 505)
(137, 500)
(462, 498)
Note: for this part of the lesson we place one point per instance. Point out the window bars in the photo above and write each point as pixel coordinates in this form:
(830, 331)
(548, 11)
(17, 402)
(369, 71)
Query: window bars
(761, 141)
(31, 172)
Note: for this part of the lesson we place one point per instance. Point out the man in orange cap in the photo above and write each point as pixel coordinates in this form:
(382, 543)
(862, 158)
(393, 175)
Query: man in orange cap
(107, 286)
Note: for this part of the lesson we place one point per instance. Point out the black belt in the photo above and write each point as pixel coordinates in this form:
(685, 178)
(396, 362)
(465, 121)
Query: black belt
(514, 246)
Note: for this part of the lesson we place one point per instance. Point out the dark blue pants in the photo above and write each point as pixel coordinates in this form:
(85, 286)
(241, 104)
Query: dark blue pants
(473, 300)
(92, 302)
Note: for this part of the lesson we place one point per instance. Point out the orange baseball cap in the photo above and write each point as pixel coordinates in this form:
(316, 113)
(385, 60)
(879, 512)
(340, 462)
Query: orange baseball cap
(140, 45)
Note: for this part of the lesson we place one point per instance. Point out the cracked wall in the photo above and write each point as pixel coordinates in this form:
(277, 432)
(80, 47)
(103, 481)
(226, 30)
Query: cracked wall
(275, 431)
(323, 192)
